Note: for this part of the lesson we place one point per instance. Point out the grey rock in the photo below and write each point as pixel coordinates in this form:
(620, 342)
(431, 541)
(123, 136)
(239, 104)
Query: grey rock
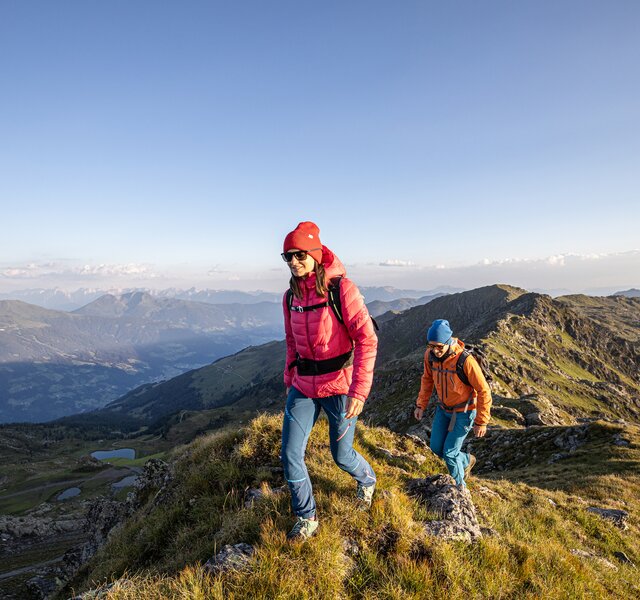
(41, 588)
(350, 547)
(572, 438)
(507, 413)
(557, 456)
(617, 517)
(14, 528)
(590, 555)
(623, 558)
(253, 495)
(440, 494)
(618, 440)
(234, 557)
(418, 440)
(157, 475)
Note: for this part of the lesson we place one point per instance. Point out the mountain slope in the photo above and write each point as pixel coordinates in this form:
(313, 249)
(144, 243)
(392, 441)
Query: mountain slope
(54, 363)
(536, 543)
(556, 349)
(552, 349)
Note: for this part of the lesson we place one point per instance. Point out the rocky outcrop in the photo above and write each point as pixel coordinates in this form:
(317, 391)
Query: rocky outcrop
(617, 517)
(508, 449)
(506, 413)
(102, 517)
(105, 514)
(234, 557)
(539, 411)
(453, 503)
(14, 528)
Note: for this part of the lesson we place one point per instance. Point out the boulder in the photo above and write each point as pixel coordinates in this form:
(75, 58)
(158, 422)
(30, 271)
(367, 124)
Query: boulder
(453, 503)
(506, 413)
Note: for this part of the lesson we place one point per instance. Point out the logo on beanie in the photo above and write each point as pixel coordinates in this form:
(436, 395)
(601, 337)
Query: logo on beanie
(310, 236)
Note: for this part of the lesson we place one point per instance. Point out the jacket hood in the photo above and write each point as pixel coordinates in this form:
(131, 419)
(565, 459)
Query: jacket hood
(332, 264)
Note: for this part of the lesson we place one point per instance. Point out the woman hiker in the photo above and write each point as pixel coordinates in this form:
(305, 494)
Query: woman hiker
(461, 405)
(331, 350)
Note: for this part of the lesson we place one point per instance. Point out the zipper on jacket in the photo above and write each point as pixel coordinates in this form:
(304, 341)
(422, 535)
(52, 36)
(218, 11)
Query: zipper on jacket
(306, 327)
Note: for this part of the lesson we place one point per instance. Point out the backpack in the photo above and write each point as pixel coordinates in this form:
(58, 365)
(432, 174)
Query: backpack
(333, 301)
(481, 359)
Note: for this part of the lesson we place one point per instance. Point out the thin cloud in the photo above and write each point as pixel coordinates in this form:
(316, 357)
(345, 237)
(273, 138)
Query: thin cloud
(87, 271)
(216, 270)
(395, 262)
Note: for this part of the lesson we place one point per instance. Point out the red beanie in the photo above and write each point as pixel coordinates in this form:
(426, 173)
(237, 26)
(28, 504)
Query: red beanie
(306, 236)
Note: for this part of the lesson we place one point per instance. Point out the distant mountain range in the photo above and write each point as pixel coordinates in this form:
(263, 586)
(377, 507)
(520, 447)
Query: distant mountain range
(57, 299)
(54, 363)
(581, 352)
(632, 293)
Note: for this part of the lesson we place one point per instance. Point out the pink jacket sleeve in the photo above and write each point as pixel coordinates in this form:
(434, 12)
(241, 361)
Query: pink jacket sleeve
(291, 347)
(360, 327)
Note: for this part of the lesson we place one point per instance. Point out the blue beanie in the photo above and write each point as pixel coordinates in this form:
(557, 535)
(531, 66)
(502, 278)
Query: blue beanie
(440, 332)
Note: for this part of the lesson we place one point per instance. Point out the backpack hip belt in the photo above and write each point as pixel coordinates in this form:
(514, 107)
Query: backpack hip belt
(451, 410)
(308, 367)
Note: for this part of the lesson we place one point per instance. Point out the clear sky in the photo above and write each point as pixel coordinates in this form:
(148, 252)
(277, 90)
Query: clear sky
(175, 143)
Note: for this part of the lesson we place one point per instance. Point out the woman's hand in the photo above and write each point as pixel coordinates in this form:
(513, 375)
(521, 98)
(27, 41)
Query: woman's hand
(479, 430)
(418, 412)
(354, 407)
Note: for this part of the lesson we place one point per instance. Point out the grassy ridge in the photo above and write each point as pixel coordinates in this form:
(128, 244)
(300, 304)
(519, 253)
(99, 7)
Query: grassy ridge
(158, 554)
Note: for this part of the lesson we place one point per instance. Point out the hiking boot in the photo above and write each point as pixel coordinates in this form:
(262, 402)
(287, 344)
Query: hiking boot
(364, 494)
(302, 530)
(472, 462)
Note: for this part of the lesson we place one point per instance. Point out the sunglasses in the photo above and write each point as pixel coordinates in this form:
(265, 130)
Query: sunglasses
(437, 346)
(300, 255)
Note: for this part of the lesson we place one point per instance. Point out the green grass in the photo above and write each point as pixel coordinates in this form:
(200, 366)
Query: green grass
(160, 551)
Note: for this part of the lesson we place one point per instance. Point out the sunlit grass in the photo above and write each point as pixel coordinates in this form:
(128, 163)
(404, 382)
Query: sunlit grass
(381, 554)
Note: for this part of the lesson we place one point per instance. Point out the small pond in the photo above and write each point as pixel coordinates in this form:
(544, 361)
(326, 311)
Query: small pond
(129, 453)
(126, 482)
(69, 493)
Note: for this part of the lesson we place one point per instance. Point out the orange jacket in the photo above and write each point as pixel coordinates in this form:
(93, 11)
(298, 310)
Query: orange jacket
(450, 388)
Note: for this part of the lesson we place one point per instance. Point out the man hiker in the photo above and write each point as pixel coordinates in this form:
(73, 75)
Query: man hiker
(464, 398)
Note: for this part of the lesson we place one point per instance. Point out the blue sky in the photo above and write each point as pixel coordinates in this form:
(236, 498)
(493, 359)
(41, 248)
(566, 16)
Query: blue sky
(176, 143)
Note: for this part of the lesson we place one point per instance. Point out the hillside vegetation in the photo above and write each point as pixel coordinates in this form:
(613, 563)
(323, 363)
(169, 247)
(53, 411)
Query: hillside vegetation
(531, 547)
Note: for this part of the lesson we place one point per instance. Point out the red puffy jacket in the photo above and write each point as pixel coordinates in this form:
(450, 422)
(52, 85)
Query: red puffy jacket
(318, 335)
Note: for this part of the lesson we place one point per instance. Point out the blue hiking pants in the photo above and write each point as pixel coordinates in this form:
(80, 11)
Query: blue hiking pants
(447, 444)
(300, 415)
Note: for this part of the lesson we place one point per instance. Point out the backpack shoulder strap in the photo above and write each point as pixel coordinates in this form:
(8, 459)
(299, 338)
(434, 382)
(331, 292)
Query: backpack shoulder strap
(289, 299)
(334, 299)
(464, 355)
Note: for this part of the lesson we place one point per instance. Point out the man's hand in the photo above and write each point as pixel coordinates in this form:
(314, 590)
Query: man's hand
(418, 412)
(354, 407)
(288, 389)
(479, 430)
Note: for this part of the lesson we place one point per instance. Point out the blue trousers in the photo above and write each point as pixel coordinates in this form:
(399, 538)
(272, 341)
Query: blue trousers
(447, 444)
(300, 415)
